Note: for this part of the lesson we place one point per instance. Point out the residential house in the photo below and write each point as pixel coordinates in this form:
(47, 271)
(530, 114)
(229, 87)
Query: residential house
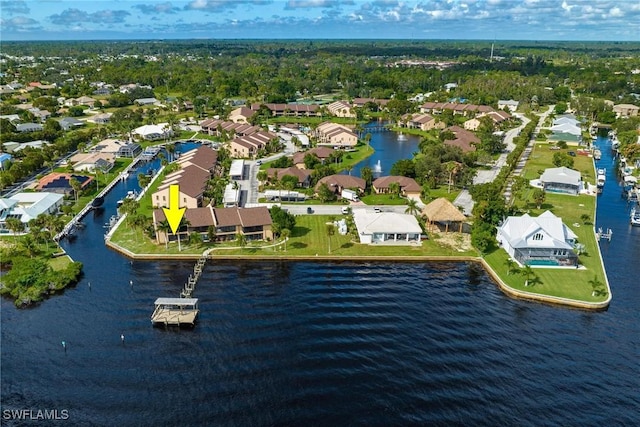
(41, 115)
(335, 135)
(295, 110)
(29, 127)
(509, 104)
(100, 119)
(408, 186)
(423, 122)
(68, 123)
(561, 180)
(90, 162)
(322, 153)
(60, 183)
(192, 182)
(386, 227)
(302, 175)
(27, 206)
(457, 108)
(254, 223)
(241, 115)
(222, 128)
(543, 240)
(361, 102)
(203, 157)
(337, 183)
(130, 149)
(626, 110)
(14, 147)
(341, 109)
(154, 132)
(248, 146)
(464, 139)
(146, 101)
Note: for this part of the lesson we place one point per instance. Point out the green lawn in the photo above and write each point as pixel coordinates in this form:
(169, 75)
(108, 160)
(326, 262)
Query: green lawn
(567, 283)
(308, 238)
(383, 199)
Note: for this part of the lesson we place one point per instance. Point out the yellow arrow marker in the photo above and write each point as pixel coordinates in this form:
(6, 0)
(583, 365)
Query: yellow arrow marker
(174, 213)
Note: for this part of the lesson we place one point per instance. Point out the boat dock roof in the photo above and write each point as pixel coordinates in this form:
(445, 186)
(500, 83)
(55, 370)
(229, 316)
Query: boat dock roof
(182, 302)
(175, 311)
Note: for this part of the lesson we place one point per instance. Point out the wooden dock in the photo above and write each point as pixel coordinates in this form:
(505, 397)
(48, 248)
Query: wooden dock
(175, 311)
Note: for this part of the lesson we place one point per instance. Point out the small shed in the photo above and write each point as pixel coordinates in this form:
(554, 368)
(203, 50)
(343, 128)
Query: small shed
(442, 211)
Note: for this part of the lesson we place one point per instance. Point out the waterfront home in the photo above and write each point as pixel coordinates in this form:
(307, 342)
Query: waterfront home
(241, 115)
(561, 180)
(60, 183)
(335, 135)
(92, 162)
(464, 139)
(408, 186)
(509, 104)
(192, 182)
(542, 240)
(341, 109)
(203, 157)
(303, 176)
(27, 206)
(626, 110)
(337, 183)
(129, 150)
(154, 132)
(322, 153)
(386, 227)
(420, 121)
(254, 223)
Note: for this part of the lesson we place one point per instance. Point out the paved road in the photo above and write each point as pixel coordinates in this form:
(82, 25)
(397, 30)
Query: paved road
(464, 199)
(299, 209)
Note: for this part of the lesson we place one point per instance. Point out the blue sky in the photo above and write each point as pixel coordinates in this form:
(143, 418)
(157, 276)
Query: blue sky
(614, 20)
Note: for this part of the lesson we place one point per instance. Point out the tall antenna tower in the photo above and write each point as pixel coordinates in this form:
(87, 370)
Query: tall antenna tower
(491, 58)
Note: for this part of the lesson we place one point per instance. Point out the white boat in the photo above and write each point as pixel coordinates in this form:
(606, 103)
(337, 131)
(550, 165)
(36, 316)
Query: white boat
(597, 154)
(601, 179)
(635, 218)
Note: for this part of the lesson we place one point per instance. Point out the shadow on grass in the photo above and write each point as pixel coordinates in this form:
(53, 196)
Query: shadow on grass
(298, 245)
(300, 231)
(347, 245)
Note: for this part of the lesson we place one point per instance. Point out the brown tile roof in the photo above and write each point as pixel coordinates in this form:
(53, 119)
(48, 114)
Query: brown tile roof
(342, 181)
(203, 156)
(197, 217)
(320, 152)
(246, 217)
(464, 139)
(192, 180)
(406, 184)
(302, 174)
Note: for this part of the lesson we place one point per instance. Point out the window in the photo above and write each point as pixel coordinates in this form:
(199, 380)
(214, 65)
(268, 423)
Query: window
(538, 236)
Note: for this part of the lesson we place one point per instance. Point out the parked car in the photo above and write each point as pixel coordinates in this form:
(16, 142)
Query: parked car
(377, 210)
(309, 210)
(572, 153)
(346, 210)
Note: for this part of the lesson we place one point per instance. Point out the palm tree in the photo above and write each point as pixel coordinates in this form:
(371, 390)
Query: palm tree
(171, 149)
(241, 239)
(394, 189)
(15, 226)
(129, 207)
(284, 233)
(211, 233)
(184, 223)
(412, 207)
(512, 267)
(528, 273)
(596, 284)
(331, 230)
(453, 168)
(29, 245)
(77, 187)
(195, 238)
(165, 228)
(539, 197)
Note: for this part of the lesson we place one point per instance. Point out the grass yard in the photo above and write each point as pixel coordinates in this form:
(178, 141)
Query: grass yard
(308, 238)
(561, 282)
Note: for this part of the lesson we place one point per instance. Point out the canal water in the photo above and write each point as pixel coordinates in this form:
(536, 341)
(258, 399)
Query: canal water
(325, 343)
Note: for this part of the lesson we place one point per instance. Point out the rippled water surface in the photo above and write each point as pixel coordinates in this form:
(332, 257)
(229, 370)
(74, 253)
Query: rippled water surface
(325, 344)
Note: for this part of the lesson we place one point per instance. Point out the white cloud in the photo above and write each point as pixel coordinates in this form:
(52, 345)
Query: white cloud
(615, 12)
(566, 6)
